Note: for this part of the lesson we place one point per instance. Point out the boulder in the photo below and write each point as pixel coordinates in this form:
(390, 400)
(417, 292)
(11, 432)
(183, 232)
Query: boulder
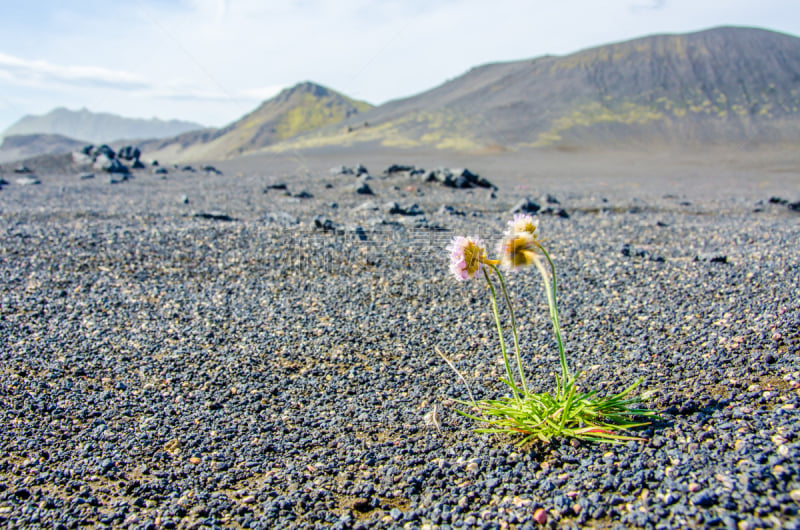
(80, 158)
(129, 152)
(103, 150)
(103, 163)
(398, 168)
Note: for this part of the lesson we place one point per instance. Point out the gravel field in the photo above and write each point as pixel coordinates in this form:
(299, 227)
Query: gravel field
(197, 350)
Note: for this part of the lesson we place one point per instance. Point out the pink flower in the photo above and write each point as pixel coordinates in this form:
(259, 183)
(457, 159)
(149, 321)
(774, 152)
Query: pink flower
(467, 256)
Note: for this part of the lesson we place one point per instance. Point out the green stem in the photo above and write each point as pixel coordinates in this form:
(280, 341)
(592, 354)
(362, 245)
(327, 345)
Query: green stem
(513, 329)
(551, 302)
(500, 335)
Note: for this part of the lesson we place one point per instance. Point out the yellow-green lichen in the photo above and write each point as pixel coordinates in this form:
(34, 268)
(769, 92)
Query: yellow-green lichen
(595, 113)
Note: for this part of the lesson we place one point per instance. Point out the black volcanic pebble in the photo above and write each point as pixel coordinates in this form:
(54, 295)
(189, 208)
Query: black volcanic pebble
(165, 370)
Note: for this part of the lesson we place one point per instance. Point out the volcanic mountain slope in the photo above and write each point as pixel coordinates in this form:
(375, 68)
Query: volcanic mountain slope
(297, 110)
(18, 147)
(720, 86)
(97, 127)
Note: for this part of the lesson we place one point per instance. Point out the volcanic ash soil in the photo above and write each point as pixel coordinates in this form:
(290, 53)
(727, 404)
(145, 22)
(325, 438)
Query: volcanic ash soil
(201, 350)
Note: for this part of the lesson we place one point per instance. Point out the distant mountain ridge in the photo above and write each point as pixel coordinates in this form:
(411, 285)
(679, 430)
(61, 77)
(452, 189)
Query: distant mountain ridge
(19, 147)
(723, 85)
(294, 111)
(97, 127)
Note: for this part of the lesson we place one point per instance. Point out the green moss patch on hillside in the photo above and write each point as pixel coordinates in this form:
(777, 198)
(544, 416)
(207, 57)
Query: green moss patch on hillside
(595, 113)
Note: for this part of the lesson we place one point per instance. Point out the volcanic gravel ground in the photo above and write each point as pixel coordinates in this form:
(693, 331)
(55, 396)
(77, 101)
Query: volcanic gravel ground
(231, 359)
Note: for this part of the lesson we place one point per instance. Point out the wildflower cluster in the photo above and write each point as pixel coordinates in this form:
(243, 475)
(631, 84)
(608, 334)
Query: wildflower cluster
(537, 416)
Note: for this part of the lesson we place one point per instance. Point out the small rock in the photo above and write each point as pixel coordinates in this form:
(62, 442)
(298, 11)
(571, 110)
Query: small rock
(173, 446)
(526, 205)
(340, 170)
(704, 499)
(392, 208)
(398, 168)
(281, 218)
(396, 514)
(324, 224)
(540, 516)
(28, 181)
(449, 210)
(557, 212)
(364, 189)
(711, 257)
(359, 233)
(214, 216)
(362, 505)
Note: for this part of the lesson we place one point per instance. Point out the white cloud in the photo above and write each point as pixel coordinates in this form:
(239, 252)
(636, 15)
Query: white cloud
(25, 71)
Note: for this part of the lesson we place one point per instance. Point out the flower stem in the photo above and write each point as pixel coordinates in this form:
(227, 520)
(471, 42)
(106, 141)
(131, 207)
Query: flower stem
(513, 329)
(551, 302)
(511, 384)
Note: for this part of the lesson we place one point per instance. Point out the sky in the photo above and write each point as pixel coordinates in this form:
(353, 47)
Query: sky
(212, 61)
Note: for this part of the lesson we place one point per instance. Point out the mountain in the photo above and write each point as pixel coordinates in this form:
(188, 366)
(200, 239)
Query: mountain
(726, 85)
(19, 147)
(297, 110)
(92, 127)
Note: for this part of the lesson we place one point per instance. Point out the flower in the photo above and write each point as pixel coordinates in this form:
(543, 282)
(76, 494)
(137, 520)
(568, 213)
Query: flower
(522, 223)
(519, 250)
(467, 256)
